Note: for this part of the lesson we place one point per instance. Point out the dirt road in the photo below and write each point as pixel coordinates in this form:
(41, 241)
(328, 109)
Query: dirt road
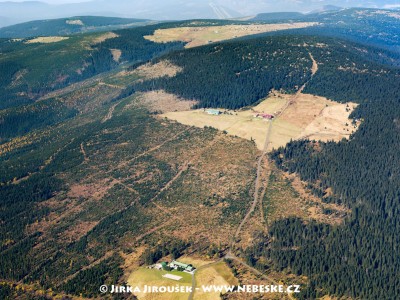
(257, 183)
(256, 198)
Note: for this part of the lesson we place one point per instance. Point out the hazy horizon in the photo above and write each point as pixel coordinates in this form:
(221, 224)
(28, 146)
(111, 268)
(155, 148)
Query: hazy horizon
(17, 11)
(297, 5)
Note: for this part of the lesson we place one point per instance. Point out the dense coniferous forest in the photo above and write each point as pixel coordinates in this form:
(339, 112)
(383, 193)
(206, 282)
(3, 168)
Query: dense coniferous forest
(18, 121)
(87, 282)
(360, 257)
(364, 174)
(135, 48)
(235, 74)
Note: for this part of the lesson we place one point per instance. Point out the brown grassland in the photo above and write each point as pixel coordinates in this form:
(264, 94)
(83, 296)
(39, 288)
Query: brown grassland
(46, 39)
(161, 101)
(103, 37)
(218, 274)
(197, 36)
(159, 69)
(153, 277)
(308, 116)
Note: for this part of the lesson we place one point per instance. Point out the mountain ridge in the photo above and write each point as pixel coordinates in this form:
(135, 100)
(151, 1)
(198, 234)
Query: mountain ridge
(168, 10)
(67, 26)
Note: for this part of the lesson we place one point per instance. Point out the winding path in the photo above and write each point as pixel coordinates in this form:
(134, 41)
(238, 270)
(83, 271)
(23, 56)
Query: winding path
(257, 184)
(109, 115)
(85, 158)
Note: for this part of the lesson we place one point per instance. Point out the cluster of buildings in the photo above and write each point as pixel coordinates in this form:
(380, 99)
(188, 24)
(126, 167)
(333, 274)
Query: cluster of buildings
(259, 115)
(175, 265)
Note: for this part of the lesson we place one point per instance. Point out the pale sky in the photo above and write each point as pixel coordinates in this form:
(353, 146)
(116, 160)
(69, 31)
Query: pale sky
(52, 1)
(169, 9)
(78, 1)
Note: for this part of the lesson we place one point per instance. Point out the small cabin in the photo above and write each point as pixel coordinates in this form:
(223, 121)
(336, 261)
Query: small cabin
(214, 112)
(264, 116)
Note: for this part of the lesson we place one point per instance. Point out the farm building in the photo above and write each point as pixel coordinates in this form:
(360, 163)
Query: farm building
(263, 116)
(164, 265)
(185, 267)
(214, 112)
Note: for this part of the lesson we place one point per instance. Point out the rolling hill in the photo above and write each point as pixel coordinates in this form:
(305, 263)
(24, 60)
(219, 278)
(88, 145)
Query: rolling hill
(151, 9)
(240, 73)
(33, 66)
(372, 26)
(170, 9)
(67, 26)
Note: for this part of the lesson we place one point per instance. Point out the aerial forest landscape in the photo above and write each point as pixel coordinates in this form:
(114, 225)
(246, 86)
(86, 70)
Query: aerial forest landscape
(190, 150)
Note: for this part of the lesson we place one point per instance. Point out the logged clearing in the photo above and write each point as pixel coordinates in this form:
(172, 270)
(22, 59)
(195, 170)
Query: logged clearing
(303, 116)
(287, 196)
(160, 69)
(74, 22)
(153, 277)
(18, 78)
(116, 53)
(197, 36)
(163, 68)
(161, 101)
(46, 39)
(104, 37)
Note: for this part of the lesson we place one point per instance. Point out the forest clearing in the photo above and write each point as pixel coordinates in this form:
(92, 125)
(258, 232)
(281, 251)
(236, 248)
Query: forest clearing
(153, 277)
(197, 36)
(209, 273)
(308, 116)
(47, 39)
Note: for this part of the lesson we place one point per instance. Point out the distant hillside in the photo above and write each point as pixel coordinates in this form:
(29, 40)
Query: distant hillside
(67, 26)
(326, 8)
(278, 16)
(18, 12)
(240, 73)
(4, 21)
(31, 67)
(378, 27)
